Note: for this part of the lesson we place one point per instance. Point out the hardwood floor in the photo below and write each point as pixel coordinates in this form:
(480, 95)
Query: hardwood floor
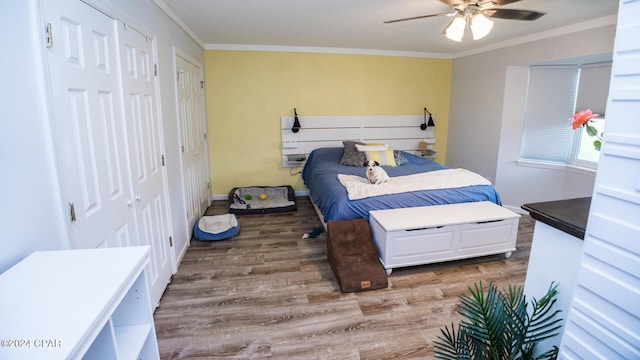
(268, 293)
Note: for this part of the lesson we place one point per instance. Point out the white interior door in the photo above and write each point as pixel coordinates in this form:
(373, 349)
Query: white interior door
(86, 101)
(193, 138)
(145, 144)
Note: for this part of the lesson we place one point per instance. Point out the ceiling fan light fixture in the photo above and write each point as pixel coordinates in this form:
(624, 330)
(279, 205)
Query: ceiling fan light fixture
(455, 29)
(480, 26)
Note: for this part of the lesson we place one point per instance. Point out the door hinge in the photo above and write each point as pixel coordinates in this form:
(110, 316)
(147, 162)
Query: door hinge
(171, 241)
(155, 69)
(48, 35)
(208, 184)
(205, 136)
(182, 147)
(72, 212)
(162, 159)
(201, 84)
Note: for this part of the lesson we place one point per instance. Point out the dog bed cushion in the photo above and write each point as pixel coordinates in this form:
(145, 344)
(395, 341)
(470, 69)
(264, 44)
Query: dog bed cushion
(246, 200)
(216, 227)
(354, 257)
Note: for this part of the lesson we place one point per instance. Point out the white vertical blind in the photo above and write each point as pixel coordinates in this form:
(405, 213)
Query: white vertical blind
(551, 99)
(593, 87)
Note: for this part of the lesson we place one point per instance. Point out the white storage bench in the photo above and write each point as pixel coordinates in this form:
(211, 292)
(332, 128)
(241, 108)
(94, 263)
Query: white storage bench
(429, 234)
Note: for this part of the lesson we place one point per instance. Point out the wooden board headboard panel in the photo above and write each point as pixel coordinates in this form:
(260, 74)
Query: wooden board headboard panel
(401, 132)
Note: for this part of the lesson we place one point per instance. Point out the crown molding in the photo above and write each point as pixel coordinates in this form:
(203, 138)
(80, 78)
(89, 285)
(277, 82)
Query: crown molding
(325, 50)
(178, 20)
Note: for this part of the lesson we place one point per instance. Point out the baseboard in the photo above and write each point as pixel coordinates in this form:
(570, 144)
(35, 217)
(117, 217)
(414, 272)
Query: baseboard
(182, 253)
(516, 209)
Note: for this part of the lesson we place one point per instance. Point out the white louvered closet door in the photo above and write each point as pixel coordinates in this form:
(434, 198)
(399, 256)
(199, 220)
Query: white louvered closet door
(193, 138)
(603, 321)
(86, 100)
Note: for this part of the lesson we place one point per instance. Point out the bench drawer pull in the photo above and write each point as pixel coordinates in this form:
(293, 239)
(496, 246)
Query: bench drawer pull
(426, 228)
(488, 221)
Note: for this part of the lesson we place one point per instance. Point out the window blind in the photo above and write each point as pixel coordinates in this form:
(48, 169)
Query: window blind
(551, 97)
(593, 87)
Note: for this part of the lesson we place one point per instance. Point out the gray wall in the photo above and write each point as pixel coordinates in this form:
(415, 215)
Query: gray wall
(487, 107)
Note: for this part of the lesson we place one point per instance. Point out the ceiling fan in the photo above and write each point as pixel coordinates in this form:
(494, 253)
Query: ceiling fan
(475, 14)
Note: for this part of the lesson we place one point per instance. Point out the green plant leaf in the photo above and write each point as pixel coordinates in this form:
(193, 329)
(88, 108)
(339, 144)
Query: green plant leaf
(451, 346)
(592, 131)
(516, 324)
(551, 354)
(496, 325)
(543, 323)
(597, 144)
(486, 319)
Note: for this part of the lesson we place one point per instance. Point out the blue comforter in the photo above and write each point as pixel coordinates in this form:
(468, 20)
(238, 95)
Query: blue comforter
(320, 175)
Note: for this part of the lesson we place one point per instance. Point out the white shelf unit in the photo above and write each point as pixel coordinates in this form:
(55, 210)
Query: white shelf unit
(73, 304)
(430, 234)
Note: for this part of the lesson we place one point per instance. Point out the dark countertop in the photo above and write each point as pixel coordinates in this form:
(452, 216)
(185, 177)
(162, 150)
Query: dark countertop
(569, 215)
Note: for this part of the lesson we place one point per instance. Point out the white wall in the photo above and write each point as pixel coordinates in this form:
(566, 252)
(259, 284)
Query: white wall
(485, 120)
(33, 213)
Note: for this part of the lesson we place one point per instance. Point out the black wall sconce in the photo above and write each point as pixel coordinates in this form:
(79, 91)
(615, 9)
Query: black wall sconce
(427, 123)
(296, 122)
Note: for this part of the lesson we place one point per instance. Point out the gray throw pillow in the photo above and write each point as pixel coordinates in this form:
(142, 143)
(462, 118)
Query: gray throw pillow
(399, 157)
(351, 156)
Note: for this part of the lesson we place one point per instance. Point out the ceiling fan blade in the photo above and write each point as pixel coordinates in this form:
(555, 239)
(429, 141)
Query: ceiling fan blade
(454, 3)
(421, 17)
(513, 14)
(499, 2)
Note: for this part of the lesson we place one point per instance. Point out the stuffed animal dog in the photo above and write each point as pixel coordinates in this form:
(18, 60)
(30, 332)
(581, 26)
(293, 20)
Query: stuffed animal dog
(375, 173)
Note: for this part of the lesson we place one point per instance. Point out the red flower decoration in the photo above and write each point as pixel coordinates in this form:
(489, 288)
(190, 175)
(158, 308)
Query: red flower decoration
(581, 117)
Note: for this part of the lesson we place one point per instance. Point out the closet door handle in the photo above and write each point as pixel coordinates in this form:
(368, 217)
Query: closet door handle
(129, 203)
(138, 197)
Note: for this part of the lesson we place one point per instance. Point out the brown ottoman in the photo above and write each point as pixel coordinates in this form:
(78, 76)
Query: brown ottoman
(354, 257)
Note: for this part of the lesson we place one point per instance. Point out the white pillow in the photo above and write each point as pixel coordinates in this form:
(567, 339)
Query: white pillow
(372, 147)
(381, 153)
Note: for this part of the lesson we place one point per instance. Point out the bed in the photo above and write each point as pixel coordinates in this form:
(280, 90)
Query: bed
(321, 142)
(331, 199)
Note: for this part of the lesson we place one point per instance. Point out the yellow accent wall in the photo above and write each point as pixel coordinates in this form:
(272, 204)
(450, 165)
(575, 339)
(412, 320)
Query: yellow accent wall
(248, 91)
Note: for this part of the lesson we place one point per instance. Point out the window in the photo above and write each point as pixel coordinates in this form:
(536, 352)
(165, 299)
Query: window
(583, 147)
(550, 102)
(593, 89)
(554, 94)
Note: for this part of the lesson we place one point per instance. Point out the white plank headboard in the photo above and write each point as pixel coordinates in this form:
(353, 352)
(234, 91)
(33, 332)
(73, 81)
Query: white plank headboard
(401, 132)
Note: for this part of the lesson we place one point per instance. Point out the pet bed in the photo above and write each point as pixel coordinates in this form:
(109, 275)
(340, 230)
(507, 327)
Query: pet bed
(262, 200)
(216, 227)
(354, 257)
